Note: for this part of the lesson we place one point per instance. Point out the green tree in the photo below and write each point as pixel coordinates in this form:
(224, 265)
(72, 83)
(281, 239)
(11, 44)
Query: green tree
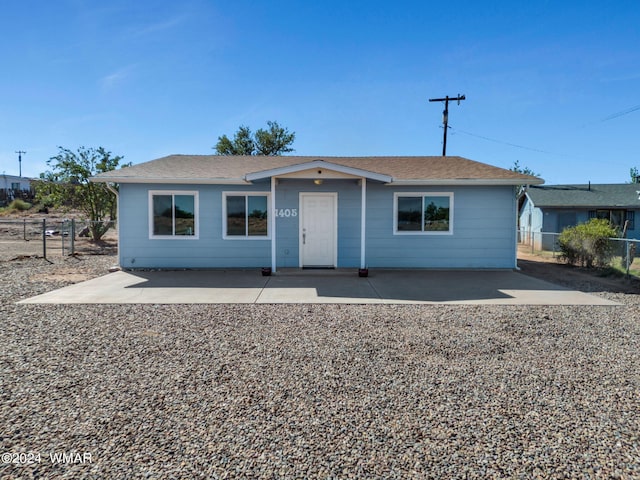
(275, 140)
(67, 184)
(634, 174)
(525, 171)
(242, 143)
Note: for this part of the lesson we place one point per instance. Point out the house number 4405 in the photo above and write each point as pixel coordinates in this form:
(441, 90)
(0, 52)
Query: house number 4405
(286, 212)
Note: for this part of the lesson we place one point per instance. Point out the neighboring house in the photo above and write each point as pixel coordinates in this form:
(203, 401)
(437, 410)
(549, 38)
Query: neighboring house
(552, 208)
(12, 187)
(185, 211)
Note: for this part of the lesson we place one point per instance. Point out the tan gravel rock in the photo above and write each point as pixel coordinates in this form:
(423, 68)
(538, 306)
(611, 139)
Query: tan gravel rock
(315, 391)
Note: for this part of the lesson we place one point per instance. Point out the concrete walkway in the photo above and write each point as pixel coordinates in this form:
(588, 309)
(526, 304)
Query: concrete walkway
(295, 286)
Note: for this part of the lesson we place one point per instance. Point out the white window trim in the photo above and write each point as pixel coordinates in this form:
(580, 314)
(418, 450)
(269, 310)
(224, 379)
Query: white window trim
(245, 194)
(396, 195)
(196, 206)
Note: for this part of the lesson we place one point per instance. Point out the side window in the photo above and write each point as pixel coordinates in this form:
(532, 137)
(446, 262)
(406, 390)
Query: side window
(409, 214)
(437, 213)
(173, 214)
(423, 213)
(246, 215)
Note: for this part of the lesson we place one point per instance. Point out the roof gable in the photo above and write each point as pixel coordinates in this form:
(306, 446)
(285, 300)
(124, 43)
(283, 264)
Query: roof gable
(318, 164)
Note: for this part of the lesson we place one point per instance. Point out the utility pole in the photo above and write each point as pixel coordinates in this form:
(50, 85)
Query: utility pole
(445, 116)
(20, 152)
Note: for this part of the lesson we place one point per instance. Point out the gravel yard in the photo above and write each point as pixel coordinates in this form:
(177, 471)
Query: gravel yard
(316, 391)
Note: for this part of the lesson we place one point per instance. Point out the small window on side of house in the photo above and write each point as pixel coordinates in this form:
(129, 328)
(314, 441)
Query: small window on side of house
(245, 215)
(423, 213)
(173, 214)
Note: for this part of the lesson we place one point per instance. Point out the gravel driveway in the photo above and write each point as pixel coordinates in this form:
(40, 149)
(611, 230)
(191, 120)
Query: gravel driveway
(313, 391)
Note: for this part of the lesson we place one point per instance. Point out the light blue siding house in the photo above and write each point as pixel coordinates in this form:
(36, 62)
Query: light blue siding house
(185, 211)
(547, 210)
(12, 187)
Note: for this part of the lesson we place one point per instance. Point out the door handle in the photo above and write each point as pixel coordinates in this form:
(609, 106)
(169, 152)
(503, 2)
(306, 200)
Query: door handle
(304, 238)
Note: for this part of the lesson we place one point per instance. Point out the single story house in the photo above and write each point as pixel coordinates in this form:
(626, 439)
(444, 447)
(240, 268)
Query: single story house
(209, 211)
(12, 187)
(549, 209)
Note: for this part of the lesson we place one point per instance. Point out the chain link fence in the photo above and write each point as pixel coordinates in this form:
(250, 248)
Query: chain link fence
(51, 237)
(626, 251)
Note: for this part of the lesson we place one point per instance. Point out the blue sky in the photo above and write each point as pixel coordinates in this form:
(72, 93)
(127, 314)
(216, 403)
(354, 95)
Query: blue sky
(553, 85)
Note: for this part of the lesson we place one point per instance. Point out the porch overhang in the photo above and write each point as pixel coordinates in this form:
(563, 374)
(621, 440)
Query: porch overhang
(317, 164)
(312, 170)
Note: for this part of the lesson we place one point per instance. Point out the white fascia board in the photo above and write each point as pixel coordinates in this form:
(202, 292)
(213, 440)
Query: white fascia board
(274, 172)
(529, 199)
(181, 181)
(470, 181)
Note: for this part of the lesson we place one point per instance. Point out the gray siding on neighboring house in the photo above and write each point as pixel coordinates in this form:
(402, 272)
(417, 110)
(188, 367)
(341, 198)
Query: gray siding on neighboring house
(548, 221)
(530, 221)
(7, 182)
(483, 229)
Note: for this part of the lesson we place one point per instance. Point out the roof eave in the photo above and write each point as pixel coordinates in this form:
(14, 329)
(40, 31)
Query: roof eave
(465, 181)
(591, 206)
(173, 181)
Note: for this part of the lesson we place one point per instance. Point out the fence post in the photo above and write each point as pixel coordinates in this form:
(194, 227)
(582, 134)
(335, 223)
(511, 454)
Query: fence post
(533, 239)
(24, 229)
(62, 225)
(626, 243)
(44, 238)
(73, 235)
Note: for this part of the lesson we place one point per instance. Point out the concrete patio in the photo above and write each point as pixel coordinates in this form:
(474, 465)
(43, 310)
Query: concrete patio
(317, 286)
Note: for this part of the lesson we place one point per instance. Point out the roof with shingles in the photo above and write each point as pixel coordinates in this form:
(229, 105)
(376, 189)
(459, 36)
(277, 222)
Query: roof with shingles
(595, 195)
(217, 168)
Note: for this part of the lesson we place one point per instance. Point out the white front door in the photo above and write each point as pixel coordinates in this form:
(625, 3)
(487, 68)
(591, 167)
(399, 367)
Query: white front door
(318, 229)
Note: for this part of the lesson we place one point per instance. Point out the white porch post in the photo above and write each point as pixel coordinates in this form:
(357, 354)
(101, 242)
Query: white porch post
(363, 223)
(273, 224)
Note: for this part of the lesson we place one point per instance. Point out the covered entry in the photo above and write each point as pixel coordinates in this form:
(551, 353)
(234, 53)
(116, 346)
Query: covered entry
(317, 211)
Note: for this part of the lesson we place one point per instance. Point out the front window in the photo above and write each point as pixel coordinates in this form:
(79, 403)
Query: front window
(246, 215)
(427, 213)
(173, 214)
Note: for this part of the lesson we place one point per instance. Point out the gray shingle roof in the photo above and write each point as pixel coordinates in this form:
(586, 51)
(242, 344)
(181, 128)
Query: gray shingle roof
(223, 169)
(620, 195)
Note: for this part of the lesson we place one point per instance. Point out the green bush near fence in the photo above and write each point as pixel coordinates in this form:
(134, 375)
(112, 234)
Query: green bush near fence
(19, 205)
(588, 244)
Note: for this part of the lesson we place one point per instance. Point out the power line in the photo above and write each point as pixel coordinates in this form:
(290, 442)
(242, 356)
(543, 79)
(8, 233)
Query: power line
(621, 113)
(612, 116)
(500, 141)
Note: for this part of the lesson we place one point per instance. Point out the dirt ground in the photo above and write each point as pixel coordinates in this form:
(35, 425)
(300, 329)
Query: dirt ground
(21, 236)
(588, 280)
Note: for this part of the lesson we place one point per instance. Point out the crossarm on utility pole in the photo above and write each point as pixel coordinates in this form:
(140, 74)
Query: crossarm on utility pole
(20, 152)
(445, 116)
